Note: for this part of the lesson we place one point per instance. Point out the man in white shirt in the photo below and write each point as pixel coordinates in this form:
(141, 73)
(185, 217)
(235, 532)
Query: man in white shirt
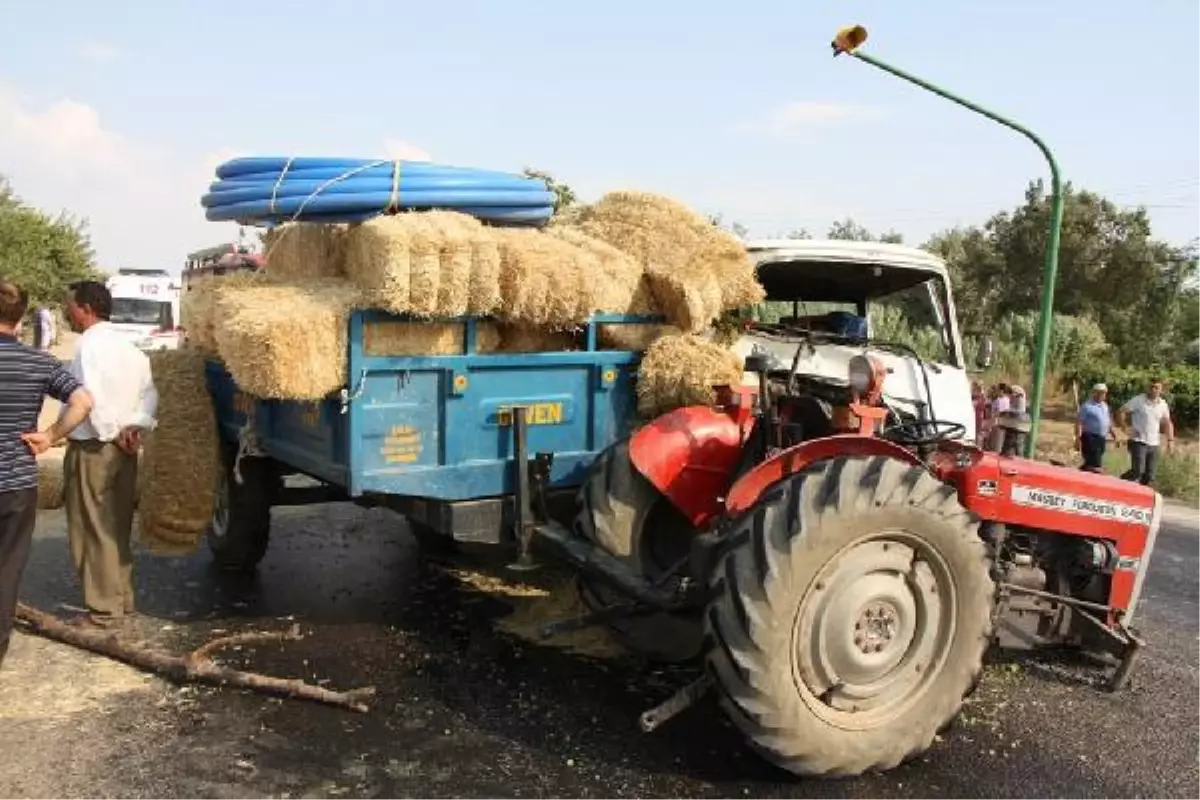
(43, 328)
(100, 468)
(1145, 419)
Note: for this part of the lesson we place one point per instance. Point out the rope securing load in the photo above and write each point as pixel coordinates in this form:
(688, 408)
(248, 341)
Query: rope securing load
(274, 190)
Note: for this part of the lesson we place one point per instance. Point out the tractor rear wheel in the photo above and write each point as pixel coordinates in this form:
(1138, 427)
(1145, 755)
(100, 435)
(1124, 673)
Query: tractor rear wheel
(619, 510)
(850, 616)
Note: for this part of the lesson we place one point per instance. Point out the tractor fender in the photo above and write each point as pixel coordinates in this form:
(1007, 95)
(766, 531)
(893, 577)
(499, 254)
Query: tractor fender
(689, 455)
(750, 486)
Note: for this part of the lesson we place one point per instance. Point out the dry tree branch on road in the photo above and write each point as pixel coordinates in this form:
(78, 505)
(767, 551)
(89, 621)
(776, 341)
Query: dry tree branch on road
(194, 667)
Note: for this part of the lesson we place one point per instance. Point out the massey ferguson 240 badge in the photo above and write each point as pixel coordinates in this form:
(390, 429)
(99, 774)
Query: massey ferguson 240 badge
(1084, 506)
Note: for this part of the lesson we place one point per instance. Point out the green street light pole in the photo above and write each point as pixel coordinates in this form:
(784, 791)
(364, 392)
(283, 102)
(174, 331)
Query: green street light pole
(847, 41)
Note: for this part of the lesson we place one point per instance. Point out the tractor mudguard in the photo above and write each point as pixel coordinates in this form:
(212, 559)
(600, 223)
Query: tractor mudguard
(750, 486)
(689, 455)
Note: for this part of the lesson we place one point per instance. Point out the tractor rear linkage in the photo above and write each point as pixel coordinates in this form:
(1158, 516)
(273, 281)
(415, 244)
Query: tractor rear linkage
(532, 521)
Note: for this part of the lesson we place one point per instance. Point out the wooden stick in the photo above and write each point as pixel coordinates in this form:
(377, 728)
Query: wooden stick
(195, 667)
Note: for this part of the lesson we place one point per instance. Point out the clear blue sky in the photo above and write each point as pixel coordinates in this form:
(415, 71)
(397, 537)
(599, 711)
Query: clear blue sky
(733, 108)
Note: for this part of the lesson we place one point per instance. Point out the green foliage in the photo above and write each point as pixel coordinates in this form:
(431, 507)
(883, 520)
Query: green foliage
(736, 228)
(1181, 387)
(1140, 291)
(564, 195)
(1074, 341)
(849, 230)
(890, 323)
(42, 254)
(1177, 474)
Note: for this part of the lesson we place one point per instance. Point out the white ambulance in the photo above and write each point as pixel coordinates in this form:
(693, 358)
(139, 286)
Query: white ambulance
(146, 308)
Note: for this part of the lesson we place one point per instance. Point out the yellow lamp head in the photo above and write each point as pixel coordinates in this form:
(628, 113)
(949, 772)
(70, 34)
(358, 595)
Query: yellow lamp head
(849, 39)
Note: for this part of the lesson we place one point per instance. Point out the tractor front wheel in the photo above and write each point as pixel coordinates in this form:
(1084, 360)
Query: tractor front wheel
(850, 616)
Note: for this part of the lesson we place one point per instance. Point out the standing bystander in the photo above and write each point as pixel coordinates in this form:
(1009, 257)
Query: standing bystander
(101, 464)
(27, 377)
(979, 401)
(1145, 419)
(1001, 402)
(43, 328)
(1093, 429)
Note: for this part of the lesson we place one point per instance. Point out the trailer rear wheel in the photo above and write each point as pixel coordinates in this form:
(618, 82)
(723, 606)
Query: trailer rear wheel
(620, 511)
(241, 525)
(850, 616)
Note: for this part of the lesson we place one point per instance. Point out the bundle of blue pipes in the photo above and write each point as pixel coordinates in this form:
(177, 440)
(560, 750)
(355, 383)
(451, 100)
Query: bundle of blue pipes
(273, 190)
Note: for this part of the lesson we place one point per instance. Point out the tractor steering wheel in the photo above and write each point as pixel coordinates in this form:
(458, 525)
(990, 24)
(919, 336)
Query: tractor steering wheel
(924, 433)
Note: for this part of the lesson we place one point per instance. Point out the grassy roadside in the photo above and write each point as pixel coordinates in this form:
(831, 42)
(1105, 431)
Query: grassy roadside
(1178, 473)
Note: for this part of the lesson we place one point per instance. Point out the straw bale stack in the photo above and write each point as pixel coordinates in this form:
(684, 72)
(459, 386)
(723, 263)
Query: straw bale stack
(695, 270)
(50, 488)
(544, 280)
(286, 340)
(199, 306)
(181, 460)
(636, 337)
(681, 371)
(531, 339)
(432, 263)
(402, 338)
(306, 250)
(620, 285)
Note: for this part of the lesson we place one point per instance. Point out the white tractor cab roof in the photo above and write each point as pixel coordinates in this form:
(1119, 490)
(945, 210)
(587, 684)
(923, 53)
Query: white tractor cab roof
(874, 283)
(146, 307)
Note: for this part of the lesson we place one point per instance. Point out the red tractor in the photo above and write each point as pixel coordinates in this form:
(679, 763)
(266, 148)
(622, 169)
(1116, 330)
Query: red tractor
(841, 566)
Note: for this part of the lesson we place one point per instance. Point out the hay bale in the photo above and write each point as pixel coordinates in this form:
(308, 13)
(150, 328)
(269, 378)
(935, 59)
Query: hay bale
(727, 257)
(198, 307)
(544, 280)
(530, 339)
(634, 337)
(306, 250)
(182, 457)
(695, 270)
(681, 371)
(50, 488)
(405, 338)
(621, 287)
(429, 263)
(287, 340)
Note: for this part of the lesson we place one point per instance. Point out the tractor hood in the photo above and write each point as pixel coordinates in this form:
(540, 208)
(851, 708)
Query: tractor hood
(903, 387)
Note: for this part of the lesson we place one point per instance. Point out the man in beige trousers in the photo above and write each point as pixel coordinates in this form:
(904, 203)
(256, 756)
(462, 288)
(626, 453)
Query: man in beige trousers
(100, 468)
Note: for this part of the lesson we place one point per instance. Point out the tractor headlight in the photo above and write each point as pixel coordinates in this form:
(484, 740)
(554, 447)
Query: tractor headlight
(862, 374)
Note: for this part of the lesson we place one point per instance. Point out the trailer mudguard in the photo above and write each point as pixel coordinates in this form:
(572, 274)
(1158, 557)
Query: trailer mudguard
(748, 488)
(689, 455)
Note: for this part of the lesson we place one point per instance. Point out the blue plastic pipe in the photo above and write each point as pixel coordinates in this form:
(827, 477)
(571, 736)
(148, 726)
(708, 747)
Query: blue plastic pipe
(274, 190)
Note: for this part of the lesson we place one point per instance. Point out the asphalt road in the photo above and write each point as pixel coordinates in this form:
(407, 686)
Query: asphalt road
(465, 707)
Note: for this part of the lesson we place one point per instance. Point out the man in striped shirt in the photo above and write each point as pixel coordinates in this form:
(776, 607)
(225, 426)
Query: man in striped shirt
(27, 376)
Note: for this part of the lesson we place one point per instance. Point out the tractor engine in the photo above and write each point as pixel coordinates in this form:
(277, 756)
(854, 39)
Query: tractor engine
(1053, 566)
(807, 407)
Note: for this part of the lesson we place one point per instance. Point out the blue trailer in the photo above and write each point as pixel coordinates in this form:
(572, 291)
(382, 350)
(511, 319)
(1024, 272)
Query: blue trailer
(436, 438)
